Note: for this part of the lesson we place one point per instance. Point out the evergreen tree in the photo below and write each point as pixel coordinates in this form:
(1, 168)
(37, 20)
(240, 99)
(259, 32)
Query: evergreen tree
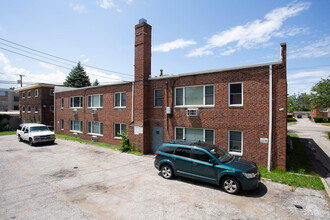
(96, 83)
(77, 77)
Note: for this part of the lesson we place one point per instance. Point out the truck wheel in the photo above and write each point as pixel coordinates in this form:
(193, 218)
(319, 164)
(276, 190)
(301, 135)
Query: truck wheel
(31, 142)
(19, 138)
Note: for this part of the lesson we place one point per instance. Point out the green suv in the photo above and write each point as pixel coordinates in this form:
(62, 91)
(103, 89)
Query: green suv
(208, 163)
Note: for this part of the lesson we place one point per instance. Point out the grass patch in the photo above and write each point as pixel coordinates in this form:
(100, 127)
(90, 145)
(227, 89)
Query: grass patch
(292, 122)
(100, 144)
(7, 133)
(299, 169)
(324, 123)
(293, 179)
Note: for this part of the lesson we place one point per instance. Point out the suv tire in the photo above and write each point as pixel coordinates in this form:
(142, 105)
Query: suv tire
(31, 142)
(19, 138)
(166, 171)
(230, 185)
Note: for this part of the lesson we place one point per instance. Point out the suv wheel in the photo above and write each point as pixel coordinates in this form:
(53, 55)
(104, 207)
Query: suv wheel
(230, 185)
(30, 142)
(19, 138)
(167, 171)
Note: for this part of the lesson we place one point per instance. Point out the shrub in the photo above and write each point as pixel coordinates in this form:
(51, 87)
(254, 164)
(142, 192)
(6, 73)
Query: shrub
(124, 144)
(318, 119)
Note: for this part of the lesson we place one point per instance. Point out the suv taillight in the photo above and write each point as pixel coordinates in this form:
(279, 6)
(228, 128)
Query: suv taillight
(156, 154)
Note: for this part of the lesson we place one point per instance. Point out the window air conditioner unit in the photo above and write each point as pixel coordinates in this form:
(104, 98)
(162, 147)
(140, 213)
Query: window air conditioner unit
(94, 111)
(192, 112)
(75, 135)
(74, 111)
(94, 138)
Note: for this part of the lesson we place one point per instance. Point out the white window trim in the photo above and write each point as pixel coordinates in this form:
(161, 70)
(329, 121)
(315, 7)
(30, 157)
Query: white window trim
(75, 107)
(28, 109)
(29, 96)
(24, 108)
(62, 103)
(323, 110)
(35, 109)
(99, 100)
(121, 129)
(193, 106)
(23, 96)
(50, 92)
(184, 132)
(36, 90)
(155, 98)
(235, 105)
(75, 131)
(114, 98)
(94, 134)
(62, 124)
(235, 153)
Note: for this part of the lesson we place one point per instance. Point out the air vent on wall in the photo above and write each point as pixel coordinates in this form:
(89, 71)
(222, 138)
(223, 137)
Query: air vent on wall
(74, 111)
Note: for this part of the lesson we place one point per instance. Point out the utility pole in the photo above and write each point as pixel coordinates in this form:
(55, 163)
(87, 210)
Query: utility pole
(21, 79)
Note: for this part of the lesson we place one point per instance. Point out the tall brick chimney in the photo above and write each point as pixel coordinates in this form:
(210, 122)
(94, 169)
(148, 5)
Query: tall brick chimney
(142, 67)
(142, 71)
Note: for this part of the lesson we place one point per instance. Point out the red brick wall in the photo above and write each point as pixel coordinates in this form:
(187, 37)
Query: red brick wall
(317, 113)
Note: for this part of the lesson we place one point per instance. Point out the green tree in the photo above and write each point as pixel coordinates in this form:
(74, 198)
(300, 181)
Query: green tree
(300, 102)
(96, 83)
(321, 94)
(77, 77)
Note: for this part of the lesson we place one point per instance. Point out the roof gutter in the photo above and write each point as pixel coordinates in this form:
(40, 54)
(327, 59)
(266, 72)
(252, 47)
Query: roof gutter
(270, 116)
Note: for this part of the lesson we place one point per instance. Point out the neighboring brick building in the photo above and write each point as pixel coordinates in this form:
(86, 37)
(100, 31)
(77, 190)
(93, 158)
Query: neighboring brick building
(9, 100)
(37, 103)
(320, 112)
(228, 107)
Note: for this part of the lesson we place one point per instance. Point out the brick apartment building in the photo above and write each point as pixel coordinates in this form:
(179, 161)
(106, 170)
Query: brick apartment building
(37, 103)
(9, 100)
(229, 107)
(320, 112)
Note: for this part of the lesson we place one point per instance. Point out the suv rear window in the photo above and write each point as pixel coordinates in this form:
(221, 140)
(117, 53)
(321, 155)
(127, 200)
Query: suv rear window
(185, 152)
(168, 149)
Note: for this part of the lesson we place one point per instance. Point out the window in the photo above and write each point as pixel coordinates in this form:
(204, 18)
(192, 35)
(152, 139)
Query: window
(16, 98)
(95, 101)
(120, 99)
(62, 124)
(200, 155)
(3, 103)
(195, 134)
(29, 109)
(120, 128)
(76, 125)
(323, 110)
(95, 127)
(76, 102)
(52, 108)
(35, 109)
(194, 96)
(168, 149)
(51, 92)
(235, 94)
(158, 101)
(184, 152)
(36, 92)
(29, 94)
(3, 93)
(23, 108)
(23, 95)
(62, 102)
(16, 107)
(235, 142)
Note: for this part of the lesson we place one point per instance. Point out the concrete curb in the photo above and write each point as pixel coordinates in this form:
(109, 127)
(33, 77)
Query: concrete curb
(327, 189)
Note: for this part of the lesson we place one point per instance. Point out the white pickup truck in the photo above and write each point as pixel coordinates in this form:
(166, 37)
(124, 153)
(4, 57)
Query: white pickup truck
(35, 133)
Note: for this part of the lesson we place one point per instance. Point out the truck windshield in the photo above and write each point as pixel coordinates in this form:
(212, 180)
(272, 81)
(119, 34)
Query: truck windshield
(222, 155)
(38, 129)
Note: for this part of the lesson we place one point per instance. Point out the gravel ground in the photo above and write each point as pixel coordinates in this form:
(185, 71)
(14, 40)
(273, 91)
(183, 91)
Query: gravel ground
(69, 180)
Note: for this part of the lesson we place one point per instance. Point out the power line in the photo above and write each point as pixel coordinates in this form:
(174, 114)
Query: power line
(64, 58)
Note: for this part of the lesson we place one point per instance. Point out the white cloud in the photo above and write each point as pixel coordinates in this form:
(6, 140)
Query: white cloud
(118, 10)
(86, 60)
(47, 66)
(102, 77)
(228, 52)
(77, 7)
(177, 44)
(55, 77)
(255, 32)
(315, 49)
(129, 1)
(11, 73)
(106, 4)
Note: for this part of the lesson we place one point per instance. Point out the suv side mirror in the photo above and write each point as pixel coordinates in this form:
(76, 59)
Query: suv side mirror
(212, 161)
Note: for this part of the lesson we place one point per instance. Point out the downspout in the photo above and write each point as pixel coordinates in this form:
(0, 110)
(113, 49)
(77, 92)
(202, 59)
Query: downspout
(270, 116)
(132, 120)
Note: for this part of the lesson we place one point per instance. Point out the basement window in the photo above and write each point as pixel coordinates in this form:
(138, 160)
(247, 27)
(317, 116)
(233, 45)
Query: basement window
(195, 134)
(194, 96)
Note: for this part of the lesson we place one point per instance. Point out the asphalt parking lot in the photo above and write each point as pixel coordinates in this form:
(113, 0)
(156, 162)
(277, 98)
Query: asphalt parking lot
(69, 180)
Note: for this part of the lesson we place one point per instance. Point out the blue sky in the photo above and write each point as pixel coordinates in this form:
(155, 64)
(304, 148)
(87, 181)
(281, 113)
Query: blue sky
(187, 36)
